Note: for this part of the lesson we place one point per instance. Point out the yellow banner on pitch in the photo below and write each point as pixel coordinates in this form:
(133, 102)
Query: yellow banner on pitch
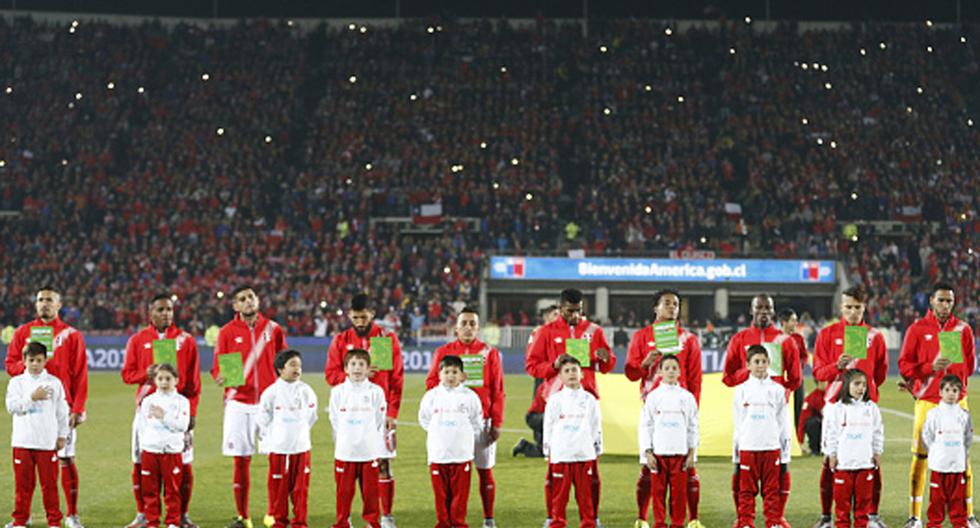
(621, 407)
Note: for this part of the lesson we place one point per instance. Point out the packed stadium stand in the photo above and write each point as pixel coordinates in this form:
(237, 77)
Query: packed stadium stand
(144, 157)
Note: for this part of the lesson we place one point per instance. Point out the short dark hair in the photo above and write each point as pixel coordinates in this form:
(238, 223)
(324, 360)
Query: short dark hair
(857, 292)
(566, 359)
(166, 367)
(49, 287)
(357, 353)
(785, 314)
(666, 291)
(755, 350)
(845, 390)
(951, 379)
(669, 357)
(761, 295)
(941, 286)
(571, 295)
(469, 310)
(283, 357)
(451, 361)
(360, 302)
(160, 297)
(35, 349)
(239, 289)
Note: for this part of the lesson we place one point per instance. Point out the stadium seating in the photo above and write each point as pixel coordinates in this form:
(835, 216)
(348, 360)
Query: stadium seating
(148, 157)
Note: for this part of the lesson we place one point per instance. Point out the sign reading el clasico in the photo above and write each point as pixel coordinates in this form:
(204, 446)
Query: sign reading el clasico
(664, 270)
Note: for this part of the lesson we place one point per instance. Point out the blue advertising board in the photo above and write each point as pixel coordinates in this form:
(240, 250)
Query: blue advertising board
(664, 270)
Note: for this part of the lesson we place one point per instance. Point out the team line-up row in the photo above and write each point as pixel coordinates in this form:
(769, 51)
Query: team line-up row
(462, 411)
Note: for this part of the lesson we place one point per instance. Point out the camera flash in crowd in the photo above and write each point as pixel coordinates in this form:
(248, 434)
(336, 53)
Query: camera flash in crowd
(731, 51)
(268, 139)
(882, 45)
(680, 98)
(496, 185)
(140, 90)
(205, 76)
(603, 49)
(827, 85)
(648, 209)
(111, 85)
(928, 23)
(78, 96)
(483, 144)
(668, 31)
(368, 166)
(863, 52)
(529, 197)
(3, 163)
(515, 162)
(647, 87)
(221, 131)
(606, 111)
(220, 295)
(9, 90)
(969, 122)
(352, 79)
(173, 297)
(748, 20)
(323, 304)
(413, 97)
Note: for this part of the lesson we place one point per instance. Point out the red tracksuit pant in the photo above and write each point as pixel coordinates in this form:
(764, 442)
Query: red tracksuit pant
(25, 462)
(157, 469)
(289, 479)
(563, 476)
(670, 473)
(759, 473)
(947, 491)
(451, 487)
(349, 476)
(853, 488)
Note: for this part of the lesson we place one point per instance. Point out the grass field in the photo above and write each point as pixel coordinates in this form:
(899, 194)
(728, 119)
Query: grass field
(106, 498)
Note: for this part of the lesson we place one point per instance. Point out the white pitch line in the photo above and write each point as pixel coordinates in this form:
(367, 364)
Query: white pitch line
(908, 416)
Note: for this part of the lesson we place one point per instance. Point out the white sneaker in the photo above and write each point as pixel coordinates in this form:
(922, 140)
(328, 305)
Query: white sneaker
(172, 526)
(913, 522)
(972, 522)
(640, 523)
(547, 523)
(489, 523)
(598, 523)
(874, 521)
(387, 521)
(825, 522)
(73, 522)
(138, 522)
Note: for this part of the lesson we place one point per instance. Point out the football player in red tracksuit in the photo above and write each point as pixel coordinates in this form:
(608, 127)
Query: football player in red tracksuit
(257, 340)
(391, 381)
(788, 321)
(534, 413)
(642, 364)
(490, 389)
(68, 362)
(736, 372)
(829, 364)
(139, 357)
(922, 366)
(550, 344)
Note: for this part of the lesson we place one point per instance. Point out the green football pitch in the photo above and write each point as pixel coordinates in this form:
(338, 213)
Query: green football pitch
(106, 498)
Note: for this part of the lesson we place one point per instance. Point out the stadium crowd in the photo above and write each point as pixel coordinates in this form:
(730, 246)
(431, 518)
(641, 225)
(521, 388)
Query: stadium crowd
(135, 157)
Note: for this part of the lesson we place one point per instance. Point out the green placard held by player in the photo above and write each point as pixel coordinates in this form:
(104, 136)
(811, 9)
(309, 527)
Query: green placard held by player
(665, 337)
(381, 351)
(951, 346)
(473, 368)
(232, 370)
(165, 351)
(856, 341)
(45, 336)
(579, 349)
